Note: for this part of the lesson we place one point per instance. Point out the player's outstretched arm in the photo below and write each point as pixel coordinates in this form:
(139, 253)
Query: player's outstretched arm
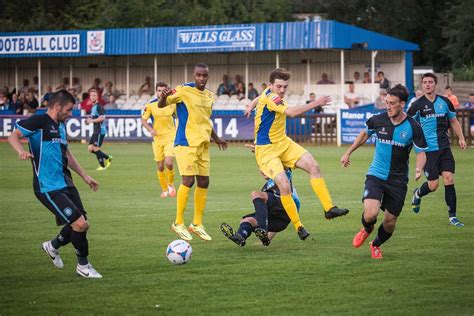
(14, 140)
(458, 130)
(420, 164)
(359, 141)
(76, 167)
(219, 141)
(300, 109)
(250, 107)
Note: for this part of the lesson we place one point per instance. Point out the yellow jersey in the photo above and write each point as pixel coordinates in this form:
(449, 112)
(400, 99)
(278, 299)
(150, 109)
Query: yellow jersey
(193, 109)
(270, 118)
(163, 122)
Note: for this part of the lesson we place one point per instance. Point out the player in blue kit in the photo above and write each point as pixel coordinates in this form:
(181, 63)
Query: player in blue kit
(95, 143)
(386, 183)
(52, 182)
(436, 114)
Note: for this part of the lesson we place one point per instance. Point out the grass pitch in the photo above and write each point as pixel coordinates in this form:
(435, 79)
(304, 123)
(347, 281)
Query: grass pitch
(427, 266)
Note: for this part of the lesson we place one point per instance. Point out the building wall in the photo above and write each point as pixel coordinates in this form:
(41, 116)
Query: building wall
(171, 68)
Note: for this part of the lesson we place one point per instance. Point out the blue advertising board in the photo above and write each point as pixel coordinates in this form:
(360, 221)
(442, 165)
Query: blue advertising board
(353, 122)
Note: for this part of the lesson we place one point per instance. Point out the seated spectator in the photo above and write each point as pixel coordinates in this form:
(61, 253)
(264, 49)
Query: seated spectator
(418, 94)
(26, 86)
(109, 90)
(454, 99)
(312, 97)
(15, 105)
(72, 91)
(225, 87)
(3, 100)
(32, 102)
(325, 79)
(380, 101)
(34, 87)
(97, 85)
(46, 96)
(76, 85)
(351, 98)
(64, 85)
(367, 78)
(237, 80)
(111, 104)
(383, 82)
(470, 103)
(240, 91)
(264, 86)
(357, 78)
(146, 87)
(253, 93)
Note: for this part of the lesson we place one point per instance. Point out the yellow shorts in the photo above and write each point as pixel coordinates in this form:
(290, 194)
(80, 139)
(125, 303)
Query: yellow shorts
(160, 151)
(273, 158)
(193, 161)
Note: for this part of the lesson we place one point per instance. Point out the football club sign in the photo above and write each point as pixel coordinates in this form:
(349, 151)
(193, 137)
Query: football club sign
(231, 37)
(96, 42)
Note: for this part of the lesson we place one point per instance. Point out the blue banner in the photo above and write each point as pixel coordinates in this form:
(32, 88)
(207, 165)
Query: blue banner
(129, 127)
(216, 37)
(33, 44)
(353, 122)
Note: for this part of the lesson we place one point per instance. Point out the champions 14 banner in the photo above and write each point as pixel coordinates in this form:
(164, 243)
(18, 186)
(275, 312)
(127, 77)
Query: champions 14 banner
(129, 128)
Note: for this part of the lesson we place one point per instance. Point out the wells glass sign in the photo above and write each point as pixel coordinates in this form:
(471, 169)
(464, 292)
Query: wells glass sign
(216, 38)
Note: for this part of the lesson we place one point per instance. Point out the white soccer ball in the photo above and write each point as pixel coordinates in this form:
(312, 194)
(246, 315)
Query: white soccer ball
(179, 252)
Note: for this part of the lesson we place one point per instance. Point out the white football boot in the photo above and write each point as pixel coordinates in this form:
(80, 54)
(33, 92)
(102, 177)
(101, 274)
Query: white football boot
(53, 253)
(88, 271)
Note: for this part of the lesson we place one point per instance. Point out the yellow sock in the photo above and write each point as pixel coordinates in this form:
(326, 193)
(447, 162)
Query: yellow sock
(321, 190)
(200, 198)
(290, 208)
(181, 202)
(162, 180)
(170, 175)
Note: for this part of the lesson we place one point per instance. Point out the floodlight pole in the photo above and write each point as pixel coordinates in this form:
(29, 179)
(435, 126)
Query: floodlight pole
(128, 77)
(185, 71)
(16, 77)
(374, 54)
(39, 80)
(246, 76)
(277, 61)
(342, 76)
(155, 71)
(70, 75)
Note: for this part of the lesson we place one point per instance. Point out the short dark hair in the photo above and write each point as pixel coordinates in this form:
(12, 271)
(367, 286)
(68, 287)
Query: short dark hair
(349, 82)
(161, 84)
(62, 97)
(381, 73)
(471, 94)
(448, 87)
(312, 93)
(399, 91)
(201, 65)
(431, 75)
(280, 73)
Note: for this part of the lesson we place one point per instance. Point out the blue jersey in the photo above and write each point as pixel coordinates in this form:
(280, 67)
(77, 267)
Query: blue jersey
(98, 110)
(48, 144)
(393, 144)
(270, 186)
(434, 119)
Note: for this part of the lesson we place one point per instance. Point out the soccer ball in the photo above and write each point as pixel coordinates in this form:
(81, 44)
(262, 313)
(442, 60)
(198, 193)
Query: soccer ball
(179, 252)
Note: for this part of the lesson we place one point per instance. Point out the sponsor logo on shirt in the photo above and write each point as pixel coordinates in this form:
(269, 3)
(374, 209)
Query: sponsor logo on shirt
(59, 140)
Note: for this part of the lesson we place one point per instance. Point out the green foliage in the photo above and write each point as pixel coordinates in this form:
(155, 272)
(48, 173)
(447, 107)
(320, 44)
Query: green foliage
(426, 270)
(464, 73)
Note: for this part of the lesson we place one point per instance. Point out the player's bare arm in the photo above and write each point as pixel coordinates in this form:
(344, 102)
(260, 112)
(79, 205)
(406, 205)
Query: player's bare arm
(148, 127)
(300, 109)
(420, 164)
(14, 140)
(76, 167)
(164, 94)
(219, 141)
(359, 141)
(458, 131)
(250, 107)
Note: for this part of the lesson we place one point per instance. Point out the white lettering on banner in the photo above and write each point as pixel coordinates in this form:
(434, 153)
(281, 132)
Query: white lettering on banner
(7, 127)
(230, 130)
(130, 126)
(73, 128)
(115, 128)
(216, 37)
(38, 44)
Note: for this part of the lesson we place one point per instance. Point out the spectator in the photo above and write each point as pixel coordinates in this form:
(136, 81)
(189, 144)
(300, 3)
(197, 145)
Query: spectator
(225, 87)
(264, 86)
(72, 91)
(64, 85)
(109, 90)
(146, 87)
(97, 85)
(383, 82)
(111, 105)
(380, 101)
(76, 85)
(454, 99)
(87, 103)
(325, 79)
(312, 97)
(26, 86)
(470, 103)
(32, 102)
(46, 96)
(4, 103)
(367, 78)
(15, 105)
(253, 93)
(237, 80)
(357, 78)
(240, 91)
(351, 98)
(418, 94)
(34, 87)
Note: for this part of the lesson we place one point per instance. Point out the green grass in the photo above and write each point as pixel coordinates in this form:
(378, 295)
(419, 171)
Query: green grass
(427, 266)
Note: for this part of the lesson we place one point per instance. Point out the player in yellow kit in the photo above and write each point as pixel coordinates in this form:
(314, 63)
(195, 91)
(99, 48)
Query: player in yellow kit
(163, 132)
(274, 150)
(193, 108)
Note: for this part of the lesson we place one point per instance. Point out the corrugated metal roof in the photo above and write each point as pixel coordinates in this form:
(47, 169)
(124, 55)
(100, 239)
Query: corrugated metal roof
(211, 38)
